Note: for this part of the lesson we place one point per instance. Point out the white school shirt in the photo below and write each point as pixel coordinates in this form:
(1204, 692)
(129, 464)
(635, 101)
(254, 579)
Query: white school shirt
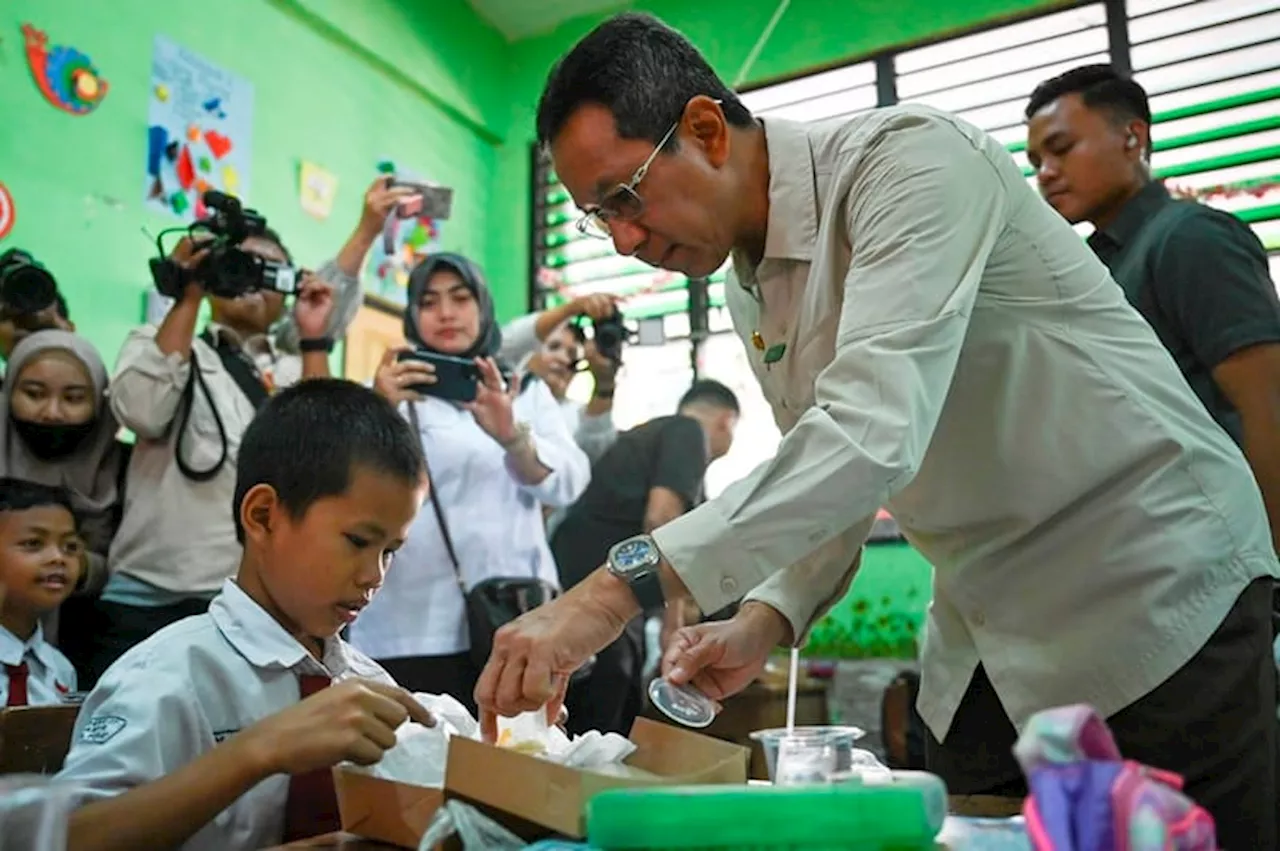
(955, 352)
(50, 676)
(189, 687)
(495, 521)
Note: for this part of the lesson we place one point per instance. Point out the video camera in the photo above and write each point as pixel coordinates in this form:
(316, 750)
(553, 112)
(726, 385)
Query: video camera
(26, 287)
(226, 270)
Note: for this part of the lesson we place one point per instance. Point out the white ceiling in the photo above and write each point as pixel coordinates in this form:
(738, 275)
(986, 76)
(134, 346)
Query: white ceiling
(517, 19)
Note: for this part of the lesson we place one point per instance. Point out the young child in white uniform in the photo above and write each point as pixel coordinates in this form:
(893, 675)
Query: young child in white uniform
(204, 736)
(40, 562)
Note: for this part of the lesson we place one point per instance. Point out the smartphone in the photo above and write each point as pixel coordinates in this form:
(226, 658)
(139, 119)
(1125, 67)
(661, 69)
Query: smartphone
(434, 202)
(456, 378)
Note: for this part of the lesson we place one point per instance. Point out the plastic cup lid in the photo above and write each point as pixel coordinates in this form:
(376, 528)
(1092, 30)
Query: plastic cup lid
(682, 704)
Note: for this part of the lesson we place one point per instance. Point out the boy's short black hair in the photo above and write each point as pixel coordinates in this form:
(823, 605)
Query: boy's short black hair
(707, 391)
(21, 495)
(307, 440)
(1100, 87)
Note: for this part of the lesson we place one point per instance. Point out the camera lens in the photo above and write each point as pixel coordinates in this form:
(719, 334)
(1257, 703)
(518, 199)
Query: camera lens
(27, 288)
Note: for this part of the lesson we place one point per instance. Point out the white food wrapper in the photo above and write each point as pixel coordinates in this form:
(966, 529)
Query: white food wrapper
(420, 754)
(531, 733)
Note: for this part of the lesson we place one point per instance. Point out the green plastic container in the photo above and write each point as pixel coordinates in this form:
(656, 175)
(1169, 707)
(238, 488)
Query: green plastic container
(838, 817)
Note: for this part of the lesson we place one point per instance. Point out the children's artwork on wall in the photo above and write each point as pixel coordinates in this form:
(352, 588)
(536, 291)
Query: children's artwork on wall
(66, 77)
(316, 187)
(404, 243)
(7, 213)
(198, 131)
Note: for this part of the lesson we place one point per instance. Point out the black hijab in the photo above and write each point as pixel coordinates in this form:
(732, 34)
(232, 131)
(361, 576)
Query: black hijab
(489, 339)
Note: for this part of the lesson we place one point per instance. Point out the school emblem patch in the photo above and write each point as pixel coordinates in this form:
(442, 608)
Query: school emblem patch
(101, 729)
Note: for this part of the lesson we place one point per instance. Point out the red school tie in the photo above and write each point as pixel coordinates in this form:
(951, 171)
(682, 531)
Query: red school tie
(18, 675)
(312, 806)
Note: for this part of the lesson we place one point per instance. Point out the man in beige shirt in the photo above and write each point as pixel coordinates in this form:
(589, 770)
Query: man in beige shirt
(933, 338)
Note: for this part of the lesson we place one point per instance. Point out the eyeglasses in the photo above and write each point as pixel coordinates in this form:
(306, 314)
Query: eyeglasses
(623, 203)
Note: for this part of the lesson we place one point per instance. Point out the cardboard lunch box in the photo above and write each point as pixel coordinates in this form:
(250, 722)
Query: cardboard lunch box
(534, 797)
(383, 809)
(530, 796)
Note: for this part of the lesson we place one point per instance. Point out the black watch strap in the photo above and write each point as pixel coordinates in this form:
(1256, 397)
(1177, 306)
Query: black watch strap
(316, 344)
(647, 587)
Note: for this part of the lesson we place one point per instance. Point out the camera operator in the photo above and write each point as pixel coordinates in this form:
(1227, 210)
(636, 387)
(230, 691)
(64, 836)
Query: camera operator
(555, 363)
(521, 337)
(189, 398)
(29, 300)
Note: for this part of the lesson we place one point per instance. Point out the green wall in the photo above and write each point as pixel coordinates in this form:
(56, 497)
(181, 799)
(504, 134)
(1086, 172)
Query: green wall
(810, 34)
(336, 82)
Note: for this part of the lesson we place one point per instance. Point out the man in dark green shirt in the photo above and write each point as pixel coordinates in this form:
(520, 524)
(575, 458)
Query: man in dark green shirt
(1198, 275)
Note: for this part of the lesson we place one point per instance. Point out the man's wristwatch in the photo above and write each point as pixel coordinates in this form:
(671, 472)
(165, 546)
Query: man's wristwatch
(636, 561)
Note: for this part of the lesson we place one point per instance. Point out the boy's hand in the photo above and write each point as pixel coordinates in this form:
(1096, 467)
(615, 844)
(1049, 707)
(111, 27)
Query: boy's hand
(352, 721)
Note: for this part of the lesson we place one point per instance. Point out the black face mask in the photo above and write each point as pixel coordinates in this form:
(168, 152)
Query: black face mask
(51, 441)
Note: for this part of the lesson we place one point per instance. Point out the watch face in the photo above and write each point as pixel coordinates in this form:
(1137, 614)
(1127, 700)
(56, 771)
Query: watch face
(633, 555)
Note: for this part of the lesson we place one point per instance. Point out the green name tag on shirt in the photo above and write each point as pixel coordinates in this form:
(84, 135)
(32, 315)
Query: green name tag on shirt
(774, 353)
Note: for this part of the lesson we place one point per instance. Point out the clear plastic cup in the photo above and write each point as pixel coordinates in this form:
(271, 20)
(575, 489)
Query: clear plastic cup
(808, 743)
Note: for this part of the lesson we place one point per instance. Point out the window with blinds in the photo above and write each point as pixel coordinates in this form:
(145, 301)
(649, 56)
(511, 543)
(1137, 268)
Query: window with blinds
(1212, 70)
(986, 78)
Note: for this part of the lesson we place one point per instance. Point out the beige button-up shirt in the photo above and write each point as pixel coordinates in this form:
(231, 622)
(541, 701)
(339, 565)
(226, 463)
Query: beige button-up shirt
(955, 352)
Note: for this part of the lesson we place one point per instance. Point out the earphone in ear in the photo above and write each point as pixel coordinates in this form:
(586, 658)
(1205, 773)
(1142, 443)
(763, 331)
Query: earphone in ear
(1131, 142)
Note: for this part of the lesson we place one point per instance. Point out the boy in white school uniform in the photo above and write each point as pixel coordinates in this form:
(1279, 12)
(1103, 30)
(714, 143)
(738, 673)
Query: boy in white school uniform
(210, 734)
(40, 563)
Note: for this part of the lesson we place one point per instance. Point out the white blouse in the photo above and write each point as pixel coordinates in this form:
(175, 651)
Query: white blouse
(495, 521)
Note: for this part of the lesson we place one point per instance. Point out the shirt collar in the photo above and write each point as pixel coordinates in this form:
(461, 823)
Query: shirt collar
(792, 228)
(13, 649)
(260, 638)
(258, 343)
(1136, 211)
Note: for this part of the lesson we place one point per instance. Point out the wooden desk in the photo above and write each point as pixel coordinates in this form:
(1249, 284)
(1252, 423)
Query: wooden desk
(35, 739)
(342, 841)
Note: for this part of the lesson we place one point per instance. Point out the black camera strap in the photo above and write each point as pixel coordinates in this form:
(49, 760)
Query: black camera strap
(240, 366)
(246, 376)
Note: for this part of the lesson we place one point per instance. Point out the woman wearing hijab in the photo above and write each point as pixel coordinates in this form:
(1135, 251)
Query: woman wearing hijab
(58, 430)
(493, 462)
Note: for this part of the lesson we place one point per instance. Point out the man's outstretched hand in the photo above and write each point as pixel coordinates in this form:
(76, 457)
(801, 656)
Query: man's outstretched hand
(722, 658)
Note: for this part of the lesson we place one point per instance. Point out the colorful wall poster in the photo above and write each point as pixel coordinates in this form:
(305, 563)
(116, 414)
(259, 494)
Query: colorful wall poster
(402, 245)
(317, 188)
(199, 128)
